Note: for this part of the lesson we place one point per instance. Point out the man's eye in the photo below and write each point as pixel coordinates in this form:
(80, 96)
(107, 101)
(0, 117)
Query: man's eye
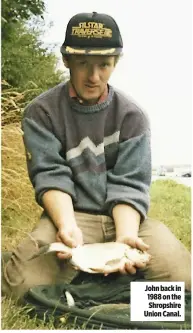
(82, 63)
(104, 64)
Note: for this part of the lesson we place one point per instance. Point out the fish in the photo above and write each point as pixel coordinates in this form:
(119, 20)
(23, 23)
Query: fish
(98, 257)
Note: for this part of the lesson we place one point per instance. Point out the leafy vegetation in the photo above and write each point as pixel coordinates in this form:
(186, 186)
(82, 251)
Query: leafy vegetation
(28, 66)
(15, 11)
(26, 60)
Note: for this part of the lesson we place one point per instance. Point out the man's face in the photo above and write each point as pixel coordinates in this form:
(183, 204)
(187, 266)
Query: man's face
(90, 74)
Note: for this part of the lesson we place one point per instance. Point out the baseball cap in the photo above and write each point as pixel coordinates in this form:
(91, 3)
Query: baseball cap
(92, 34)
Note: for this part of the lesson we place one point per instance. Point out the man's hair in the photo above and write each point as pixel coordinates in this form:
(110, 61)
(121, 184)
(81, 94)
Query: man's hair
(117, 58)
(67, 57)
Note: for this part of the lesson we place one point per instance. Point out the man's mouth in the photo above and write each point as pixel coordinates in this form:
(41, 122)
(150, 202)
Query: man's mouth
(90, 86)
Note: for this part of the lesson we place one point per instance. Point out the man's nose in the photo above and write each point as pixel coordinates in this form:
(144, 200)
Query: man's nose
(93, 74)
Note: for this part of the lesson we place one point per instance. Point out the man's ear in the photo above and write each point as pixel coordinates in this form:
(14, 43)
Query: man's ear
(65, 61)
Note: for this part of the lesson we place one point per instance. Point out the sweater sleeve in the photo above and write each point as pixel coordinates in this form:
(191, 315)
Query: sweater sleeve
(47, 167)
(129, 180)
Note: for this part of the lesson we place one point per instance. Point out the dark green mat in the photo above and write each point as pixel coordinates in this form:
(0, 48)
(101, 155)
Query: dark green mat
(89, 291)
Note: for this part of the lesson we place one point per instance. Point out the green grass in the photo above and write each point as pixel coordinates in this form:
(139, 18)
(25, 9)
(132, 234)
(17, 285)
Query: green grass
(16, 317)
(170, 203)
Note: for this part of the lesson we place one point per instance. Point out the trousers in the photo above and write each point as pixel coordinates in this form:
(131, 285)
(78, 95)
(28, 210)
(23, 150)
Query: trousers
(170, 261)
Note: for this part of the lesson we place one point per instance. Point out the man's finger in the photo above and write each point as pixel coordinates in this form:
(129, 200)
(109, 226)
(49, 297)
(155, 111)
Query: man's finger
(122, 268)
(109, 269)
(78, 239)
(130, 268)
(140, 264)
(68, 240)
(62, 255)
(141, 245)
(122, 271)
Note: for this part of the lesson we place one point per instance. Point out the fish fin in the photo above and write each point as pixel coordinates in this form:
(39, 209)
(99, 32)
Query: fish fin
(53, 247)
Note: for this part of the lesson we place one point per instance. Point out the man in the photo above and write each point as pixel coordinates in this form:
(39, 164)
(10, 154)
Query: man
(89, 160)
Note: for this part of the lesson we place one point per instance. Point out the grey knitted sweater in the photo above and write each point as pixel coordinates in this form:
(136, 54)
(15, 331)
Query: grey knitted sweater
(98, 154)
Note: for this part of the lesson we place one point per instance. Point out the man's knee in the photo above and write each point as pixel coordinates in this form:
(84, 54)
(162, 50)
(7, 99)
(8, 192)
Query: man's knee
(171, 261)
(19, 272)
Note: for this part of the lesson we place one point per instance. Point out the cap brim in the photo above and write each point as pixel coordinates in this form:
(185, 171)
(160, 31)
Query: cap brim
(90, 51)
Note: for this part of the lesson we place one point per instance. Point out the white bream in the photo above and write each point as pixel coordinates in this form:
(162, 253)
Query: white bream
(98, 257)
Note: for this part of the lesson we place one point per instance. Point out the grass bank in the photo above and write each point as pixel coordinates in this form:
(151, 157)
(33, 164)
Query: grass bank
(170, 203)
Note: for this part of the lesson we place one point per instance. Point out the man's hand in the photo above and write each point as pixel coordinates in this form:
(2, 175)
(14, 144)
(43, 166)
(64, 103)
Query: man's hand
(135, 242)
(59, 207)
(127, 221)
(70, 236)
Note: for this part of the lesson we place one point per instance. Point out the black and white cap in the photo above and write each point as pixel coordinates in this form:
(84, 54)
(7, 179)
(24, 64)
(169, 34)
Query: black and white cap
(92, 34)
